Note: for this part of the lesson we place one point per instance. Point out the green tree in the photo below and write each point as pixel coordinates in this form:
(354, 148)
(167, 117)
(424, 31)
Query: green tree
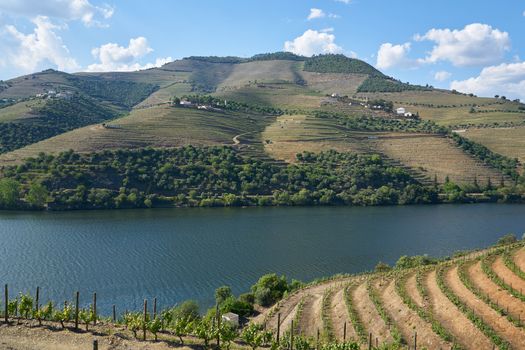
(9, 192)
(269, 288)
(222, 293)
(37, 195)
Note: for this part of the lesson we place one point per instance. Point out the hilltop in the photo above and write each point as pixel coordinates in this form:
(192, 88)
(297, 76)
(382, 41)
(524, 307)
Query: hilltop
(268, 108)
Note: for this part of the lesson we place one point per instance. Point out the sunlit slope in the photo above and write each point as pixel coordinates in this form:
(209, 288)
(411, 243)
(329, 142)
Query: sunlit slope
(161, 126)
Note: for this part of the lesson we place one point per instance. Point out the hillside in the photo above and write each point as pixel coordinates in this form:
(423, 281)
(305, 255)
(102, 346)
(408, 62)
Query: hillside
(325, 102)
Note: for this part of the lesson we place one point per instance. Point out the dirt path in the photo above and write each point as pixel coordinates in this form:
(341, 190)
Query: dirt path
(406, 320)
(519, 258)
(500, 324)
(507, 275)
(287, 310)
(413, 292)
(311, 319)
(369, 316)
(497, 294)
(45, 338)
(464, 331)
(339, 315)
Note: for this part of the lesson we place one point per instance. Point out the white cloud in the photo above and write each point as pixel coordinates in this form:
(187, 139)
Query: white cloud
(69, 10)
(505, 79)
(313, 42)
(344, 1)
(114, 57)
(28, 51)
(390, 55)
(316, 13)
(476, 44)
(442, 75)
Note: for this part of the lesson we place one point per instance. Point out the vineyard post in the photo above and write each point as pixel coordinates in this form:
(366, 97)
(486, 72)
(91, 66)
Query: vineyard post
(95, 344)
(145, 318)
(94, 308)
(6, 295)
(114, 314)
(154, 307)
(76, 309)
(278, 326)
(37, 298)
(291, 336)
(415, 340)
(344, 332)
(369, 341)
(317, 343)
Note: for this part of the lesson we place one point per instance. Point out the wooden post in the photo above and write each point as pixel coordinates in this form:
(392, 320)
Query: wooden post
(278, 326)
(37, 298)
(154, 308)
(370, 341)
(114, 314)
(145, 318)
(94, 308)
(95, 344)
(6, 300)
(415, 340)
(291, 336)
(76, 309)
(318, 336)
(344, 332)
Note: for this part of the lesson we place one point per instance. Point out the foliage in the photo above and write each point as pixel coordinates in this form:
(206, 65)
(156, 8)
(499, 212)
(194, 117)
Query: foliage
(154, 326)
(37, 195)
(269, 289)
(120, 92)
(227, 335)
(382, 267)
(405, 262)
(86, 316)
(54, 117)
(188, 310)
(354, 316)
(375, 83)
(206, 330)
(63, 315)
(44, 313)
(277, 56)
(181, 327)
(506, 165)
(255, 336)
(231, 105)
(509, 238)
(9, 193)
(26, 305)
(328, 327)
(337, 63)
(192, 176)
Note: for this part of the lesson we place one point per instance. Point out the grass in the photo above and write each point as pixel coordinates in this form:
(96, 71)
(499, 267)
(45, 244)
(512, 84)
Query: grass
(19, 111)
(509, 142)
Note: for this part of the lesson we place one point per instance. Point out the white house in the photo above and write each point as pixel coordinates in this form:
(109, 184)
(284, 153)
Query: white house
(185, 103)
(408, 114)
(231, 318)
(401, 111)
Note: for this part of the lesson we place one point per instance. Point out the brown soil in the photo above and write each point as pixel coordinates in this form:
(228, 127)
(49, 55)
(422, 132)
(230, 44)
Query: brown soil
(507, 275)
(339, 315)
(464, 331)
(519, 258)
(406, 320)
(311, 318)
(413, 292)
(497, 294)
(369, 316)
(51, 337)
(500, 324)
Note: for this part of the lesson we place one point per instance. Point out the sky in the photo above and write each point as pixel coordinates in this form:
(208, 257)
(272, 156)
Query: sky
(471, 46)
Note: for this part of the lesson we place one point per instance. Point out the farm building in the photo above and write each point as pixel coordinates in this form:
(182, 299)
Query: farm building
(408, 114)
(231, 318)
(401, 110)
(185, 103)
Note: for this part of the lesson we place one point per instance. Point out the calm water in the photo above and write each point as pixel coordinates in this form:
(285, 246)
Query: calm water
(178, 254)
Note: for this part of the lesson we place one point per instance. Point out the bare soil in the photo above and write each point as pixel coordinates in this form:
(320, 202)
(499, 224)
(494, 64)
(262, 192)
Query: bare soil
(413, 292)
(507, 275)
(339, 315)
(500, 324)
(407, 320)
(463, 330)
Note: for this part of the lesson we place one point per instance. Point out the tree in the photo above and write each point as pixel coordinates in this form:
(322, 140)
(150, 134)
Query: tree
(269, 288)
(382, 267)
(222, 293)
(188, 309)
(38, 195)
(9, 192)
(507, 239)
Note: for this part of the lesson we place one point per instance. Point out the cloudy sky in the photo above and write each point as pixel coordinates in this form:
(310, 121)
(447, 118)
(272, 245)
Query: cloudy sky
(472, 46)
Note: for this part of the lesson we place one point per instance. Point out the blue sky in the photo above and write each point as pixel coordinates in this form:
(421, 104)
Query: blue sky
(473, 46)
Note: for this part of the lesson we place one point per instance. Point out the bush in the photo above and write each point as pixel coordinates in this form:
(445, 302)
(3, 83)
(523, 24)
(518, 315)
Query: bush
(509, 238)
(269, 289)
(187, 310)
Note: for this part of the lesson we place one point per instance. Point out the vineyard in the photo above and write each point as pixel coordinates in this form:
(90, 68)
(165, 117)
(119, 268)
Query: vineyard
(472, 300)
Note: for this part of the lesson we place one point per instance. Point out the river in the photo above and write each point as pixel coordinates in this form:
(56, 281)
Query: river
(177, 254)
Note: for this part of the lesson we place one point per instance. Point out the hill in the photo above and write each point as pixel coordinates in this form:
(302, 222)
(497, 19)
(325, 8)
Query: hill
(325, 102)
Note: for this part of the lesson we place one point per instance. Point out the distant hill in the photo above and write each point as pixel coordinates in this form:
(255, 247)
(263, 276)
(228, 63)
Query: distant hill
(324, 102)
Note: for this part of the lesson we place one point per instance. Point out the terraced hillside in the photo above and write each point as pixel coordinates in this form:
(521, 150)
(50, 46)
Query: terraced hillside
(135, 106)
(476, 301)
